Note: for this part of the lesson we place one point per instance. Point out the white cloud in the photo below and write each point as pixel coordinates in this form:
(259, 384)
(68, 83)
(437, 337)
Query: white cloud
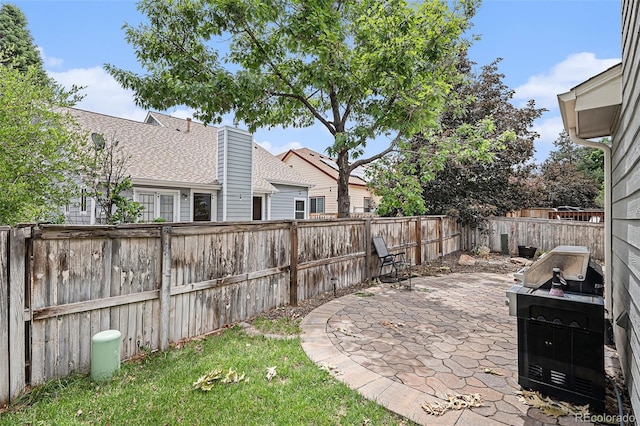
(545, 88)
(102, 93)
(49, 61)
(549, 129)
(575, 69)
(278, 149)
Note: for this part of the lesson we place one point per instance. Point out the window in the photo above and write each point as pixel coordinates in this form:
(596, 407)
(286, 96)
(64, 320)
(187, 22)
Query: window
(83, 201)
(257, 208)
(316, 205)
(166, 207)
(299, 209)
(202, 207)
(158, 205)
(148, 202)
(367, 204)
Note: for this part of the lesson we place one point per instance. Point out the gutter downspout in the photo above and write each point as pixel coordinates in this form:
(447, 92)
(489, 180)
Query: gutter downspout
(606, 149)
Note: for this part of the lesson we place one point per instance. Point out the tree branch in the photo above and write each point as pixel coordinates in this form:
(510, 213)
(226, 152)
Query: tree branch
(288, 83)
(363, 161)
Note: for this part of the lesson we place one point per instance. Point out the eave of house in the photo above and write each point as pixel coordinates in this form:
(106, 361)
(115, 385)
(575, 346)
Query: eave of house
(291, 183)
(175, 184)
(593, 107)
(333, 174)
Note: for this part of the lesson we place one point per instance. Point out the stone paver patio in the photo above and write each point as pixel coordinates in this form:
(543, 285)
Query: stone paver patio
(448, 335)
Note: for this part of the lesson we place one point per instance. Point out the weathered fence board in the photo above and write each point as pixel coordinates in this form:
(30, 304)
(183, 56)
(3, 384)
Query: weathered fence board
(4, 315)
(326, 250)
(545, 234)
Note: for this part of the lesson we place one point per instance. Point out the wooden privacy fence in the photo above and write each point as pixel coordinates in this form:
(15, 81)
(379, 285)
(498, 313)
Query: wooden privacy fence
(541, 233)
(161, 283)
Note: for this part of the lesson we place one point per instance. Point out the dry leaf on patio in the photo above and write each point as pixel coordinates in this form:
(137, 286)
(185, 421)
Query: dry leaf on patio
(455, 402)
(345, 331)
(551, 407)
(391, 324)
(492, 371)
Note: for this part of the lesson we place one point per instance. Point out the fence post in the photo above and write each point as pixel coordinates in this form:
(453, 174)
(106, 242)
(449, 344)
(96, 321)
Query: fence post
(17, 284)
(367, 249)
(293, 265)
(440, 232)
(165, 288)
(418, 238)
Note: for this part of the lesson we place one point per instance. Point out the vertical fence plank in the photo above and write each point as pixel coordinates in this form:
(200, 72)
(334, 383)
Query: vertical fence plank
(165, 289)
(293, 265)
(16, 320)
(418, 238)
(368, 259)
(4, 317)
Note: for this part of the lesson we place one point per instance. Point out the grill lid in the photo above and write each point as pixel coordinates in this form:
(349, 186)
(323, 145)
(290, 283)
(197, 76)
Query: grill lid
(573, 261)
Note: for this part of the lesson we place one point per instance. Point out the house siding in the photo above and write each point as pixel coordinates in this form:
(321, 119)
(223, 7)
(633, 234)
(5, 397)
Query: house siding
(625, 199)
(185, 206)
(327, 187)
(74, 216)
(357, 194)
(234, 165)
(282, 202)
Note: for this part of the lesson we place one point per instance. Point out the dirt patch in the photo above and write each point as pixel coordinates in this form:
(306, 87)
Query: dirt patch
(449, 264)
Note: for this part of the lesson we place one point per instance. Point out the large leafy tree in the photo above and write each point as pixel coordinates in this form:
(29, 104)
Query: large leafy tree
(471, 186)
(572, 175)
(367, 70)
(16, 44)
(40, 148)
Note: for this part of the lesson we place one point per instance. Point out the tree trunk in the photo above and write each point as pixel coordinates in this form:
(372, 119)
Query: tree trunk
(344, 204)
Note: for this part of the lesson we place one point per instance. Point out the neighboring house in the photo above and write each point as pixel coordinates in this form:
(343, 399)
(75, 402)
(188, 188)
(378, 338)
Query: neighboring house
(607, 105)
(185, 171)
(322, 171)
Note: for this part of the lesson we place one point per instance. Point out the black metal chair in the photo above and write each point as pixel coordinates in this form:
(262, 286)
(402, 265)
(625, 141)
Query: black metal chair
(397, 261)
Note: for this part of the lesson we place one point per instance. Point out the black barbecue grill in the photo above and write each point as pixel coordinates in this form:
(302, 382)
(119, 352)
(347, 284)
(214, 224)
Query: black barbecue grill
(561, 338)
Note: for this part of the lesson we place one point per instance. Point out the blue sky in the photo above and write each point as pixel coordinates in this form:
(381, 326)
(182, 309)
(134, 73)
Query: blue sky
(547, 47)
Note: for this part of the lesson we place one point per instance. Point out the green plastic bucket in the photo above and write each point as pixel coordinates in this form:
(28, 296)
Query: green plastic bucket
(105, 354)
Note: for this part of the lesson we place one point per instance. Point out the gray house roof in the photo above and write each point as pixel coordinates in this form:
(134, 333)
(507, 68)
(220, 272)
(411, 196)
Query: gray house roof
(175, 152)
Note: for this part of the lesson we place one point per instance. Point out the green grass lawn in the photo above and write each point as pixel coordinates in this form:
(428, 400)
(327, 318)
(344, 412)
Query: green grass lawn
(158, 390)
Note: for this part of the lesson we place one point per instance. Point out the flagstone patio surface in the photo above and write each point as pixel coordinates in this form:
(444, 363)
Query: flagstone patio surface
(446, 335)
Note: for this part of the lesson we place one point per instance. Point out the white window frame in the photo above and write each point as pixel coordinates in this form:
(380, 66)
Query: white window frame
(305, 211)
(157, 193)
(365, 208)
(324, 204)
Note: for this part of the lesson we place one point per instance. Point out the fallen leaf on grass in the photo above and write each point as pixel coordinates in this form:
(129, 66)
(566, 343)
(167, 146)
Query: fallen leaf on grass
(331, 369)
(551, 407)
(271, 373)
(455, 402)
(208, 381)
